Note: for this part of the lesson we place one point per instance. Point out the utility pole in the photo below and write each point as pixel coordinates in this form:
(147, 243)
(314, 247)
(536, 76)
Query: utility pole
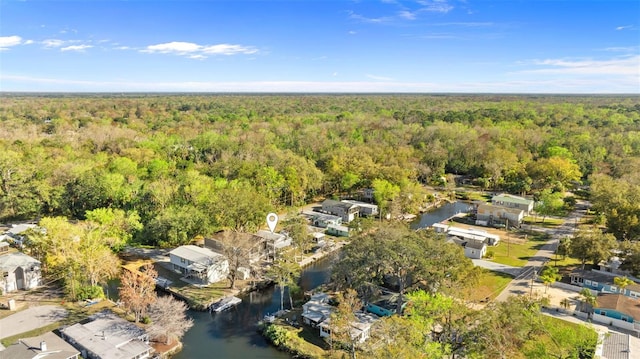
(508, 239)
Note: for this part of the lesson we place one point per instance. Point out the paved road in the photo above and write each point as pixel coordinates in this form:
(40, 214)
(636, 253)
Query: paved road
(523, 283)
(30, 319)
(497, 267)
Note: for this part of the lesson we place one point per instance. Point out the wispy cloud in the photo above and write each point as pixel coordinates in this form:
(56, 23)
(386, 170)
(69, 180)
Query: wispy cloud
(465, 24)
(79, 48)
(627, 66)
(441, 6)
(378, 78)
(196, 51)
(625, 27)
(9, 41)
(602, 85)
(51, 43)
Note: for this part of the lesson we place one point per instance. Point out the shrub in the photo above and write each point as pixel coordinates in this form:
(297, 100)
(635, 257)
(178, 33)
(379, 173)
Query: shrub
(89, 292)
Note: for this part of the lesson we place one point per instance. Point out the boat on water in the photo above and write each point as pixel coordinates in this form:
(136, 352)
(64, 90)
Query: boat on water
(224, 303)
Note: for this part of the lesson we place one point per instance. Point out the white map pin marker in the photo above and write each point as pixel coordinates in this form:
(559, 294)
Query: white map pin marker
(272, 221)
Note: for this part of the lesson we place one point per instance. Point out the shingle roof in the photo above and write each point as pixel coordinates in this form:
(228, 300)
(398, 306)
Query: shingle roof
(615, 346)
(10, 261)
(29, 348)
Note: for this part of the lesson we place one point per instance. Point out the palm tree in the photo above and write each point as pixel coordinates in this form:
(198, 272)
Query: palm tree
(588, 301)
(549, 276)
(622, 282)
(565, 303)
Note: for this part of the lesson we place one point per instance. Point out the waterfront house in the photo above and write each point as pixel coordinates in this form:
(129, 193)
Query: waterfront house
(338, 231)
(347, 211)
(474, 249)
(440, 227)
(257, 247)
(19, 271)
(201, 264)
(603, 283)
(365, 209)
(511, 201)
(317, 309)
(492, 215)
(107, 336)
(45, 346)
(274, 241)
(360, 329)
(619, 310)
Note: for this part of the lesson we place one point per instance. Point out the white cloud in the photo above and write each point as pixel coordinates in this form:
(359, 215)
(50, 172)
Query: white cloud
(197, 57)
(122, 48)
(196, 51)
(627, 66)
(76, 48)
(8, 41)
(560, 86)
(378, 78)
(626, 27)
(28, 42)
(407, 15)
(53, 43)
(441, 6)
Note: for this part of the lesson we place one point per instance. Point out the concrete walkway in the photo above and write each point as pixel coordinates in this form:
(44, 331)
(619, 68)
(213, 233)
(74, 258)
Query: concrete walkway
(30, 319)
(497, 267)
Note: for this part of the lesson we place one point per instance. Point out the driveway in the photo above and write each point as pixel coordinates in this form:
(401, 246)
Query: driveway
(497, 267)
(30, 319)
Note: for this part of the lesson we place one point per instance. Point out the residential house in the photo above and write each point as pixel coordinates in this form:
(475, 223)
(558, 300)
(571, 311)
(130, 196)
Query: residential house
(19, 271)
(347, 211)
(474, 249)
(107, 336)
(511, 201)
(618, 309)
(338, 231)
(16, 232)
(603, 283)
(384, 305)
(274, 241)
(471, 234)
(257, 247)
(201, 264)
(323, 220)
(360, 329)
(317, 309)
(45, 346)
(440, 227)
(616, 346)
(365, 209)
(4, 247)
(489, 214)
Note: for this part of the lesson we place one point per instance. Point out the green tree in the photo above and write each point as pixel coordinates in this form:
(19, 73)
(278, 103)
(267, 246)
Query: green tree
(549, 204)
(622, 282)
(549, 276)
(284, 273)
(588, 301)
(342, 321)
(592, 244)
(384, 192)
(117, 227)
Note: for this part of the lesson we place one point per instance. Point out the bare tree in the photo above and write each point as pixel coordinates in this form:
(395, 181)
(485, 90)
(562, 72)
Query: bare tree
(137, 290)
(169, 319)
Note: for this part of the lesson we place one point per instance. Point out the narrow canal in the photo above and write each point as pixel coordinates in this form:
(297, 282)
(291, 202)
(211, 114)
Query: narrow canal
(232, 334)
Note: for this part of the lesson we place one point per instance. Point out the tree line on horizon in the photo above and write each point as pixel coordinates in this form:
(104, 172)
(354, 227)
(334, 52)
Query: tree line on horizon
(190, 165)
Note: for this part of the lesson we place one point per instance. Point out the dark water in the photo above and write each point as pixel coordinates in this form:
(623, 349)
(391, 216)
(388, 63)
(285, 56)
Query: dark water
(439, 214)
(232, 334)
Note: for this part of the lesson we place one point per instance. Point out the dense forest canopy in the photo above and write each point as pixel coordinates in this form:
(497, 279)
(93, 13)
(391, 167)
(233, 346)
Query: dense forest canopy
(191, 164)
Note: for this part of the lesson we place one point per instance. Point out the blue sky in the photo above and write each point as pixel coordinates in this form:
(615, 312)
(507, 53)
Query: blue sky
(527, 46)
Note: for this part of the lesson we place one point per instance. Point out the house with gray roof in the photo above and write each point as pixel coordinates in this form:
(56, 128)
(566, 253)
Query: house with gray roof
(200, 264)
(347, 211)
(45, 346)
(511, 201)
(107, 336)
(19, 271)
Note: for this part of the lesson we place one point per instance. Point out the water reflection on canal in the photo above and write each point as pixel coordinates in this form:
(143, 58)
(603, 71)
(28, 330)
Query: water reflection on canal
(232, 334)
(441, 213)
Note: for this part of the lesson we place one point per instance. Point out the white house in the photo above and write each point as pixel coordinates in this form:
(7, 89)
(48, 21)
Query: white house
(19, 271)
(347, 211)
(489, 214)
(316, 310)
(45, 346)
(198, 263)
(471, 234)
(474, 249)
(274, 241)
(365, 209)
(16, 232)
(108, 336)
(360, 327)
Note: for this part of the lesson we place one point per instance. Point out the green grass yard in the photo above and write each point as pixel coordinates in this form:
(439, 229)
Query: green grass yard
(490, 285)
